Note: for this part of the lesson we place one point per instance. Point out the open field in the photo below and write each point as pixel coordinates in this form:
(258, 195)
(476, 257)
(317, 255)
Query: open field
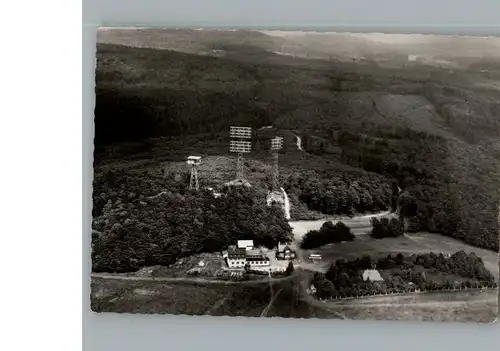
(471, 306)
(249, 300)
(449, 245)
(359, 225)
(132, 296)
(406, 244)
(284, 300)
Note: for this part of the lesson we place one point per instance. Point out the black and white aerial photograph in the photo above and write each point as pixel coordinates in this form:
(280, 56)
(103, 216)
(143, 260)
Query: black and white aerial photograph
(296, 174)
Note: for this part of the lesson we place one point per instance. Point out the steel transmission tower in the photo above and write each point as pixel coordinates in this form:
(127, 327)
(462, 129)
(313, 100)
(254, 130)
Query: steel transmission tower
(276, 145)
(240, 146)
(277, 195)
(194, 162)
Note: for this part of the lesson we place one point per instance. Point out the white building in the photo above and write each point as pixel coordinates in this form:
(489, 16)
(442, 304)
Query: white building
(245, 244)
(258, 261)
(236, 257)
(245, 255)
(315, 257)
(373, 275)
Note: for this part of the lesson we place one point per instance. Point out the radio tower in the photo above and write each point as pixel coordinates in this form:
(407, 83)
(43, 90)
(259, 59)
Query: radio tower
(276, 145)
(276, 194)
(240, 146)
(194, 162)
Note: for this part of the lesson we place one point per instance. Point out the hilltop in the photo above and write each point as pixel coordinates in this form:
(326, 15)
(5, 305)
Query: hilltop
(365, 123)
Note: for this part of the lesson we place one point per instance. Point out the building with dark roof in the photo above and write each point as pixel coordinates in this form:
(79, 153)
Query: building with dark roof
(239, 257)
(236, 257)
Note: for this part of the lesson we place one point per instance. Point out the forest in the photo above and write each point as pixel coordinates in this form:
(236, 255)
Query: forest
(135, 231)
(403, 274)
(340, 194)
(446, 168)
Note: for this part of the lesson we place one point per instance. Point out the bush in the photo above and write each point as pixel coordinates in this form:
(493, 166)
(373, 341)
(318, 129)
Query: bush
(407, 205)
(345, 277)
(385, 228)
(460, 263)
(328, 234)
(324, 287)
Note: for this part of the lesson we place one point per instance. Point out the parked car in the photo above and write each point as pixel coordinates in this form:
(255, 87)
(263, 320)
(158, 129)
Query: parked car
(314, 257)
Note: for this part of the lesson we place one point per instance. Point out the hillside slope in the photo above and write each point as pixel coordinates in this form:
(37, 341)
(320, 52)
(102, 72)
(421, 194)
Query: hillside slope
(431, 131)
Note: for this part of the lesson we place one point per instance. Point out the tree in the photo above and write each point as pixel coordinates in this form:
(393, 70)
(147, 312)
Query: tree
(289, 268)
(407, 205)
(386, 228)
(328, 234)
(143, 233)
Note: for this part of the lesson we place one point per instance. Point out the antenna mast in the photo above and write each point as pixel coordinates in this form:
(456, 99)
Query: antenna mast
(276, 145)
(240, 146)
(277, 195)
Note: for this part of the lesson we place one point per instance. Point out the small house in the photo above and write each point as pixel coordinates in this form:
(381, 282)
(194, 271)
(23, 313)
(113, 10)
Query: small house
(315, 257)
(373, 275)
(285, 252)
(236, 257)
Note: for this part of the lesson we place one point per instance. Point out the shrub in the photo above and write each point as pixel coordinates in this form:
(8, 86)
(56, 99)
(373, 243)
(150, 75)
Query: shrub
(328, 234)
(346, 276)
(385, 228)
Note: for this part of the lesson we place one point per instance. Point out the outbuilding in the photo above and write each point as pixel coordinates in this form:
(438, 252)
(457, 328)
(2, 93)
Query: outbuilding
(285, 252)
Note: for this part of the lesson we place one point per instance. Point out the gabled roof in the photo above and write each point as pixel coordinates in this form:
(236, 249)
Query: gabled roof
(372, 274)
(284, 246)
(254, 252)
(236, 253)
